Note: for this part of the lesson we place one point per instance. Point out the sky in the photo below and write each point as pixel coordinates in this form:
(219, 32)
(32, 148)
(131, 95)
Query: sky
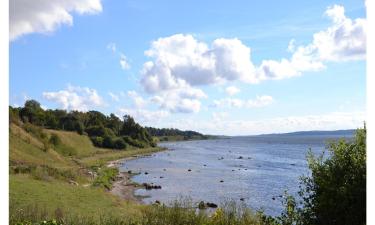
(217, 67)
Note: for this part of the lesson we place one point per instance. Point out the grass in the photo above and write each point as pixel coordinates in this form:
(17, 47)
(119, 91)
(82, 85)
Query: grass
(91, 202)
(180, 213)
(101, 158)
(81, 143)
(42, 176)
(106, 177)
(49, 182)
(26, 149)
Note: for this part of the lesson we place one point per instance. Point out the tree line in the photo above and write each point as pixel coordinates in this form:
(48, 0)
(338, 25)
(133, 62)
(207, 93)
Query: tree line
(104, 131)
(160, 132)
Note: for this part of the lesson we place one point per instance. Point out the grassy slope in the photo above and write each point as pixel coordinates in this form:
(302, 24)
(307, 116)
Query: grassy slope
(26, 149)
(34, 198)
(25, 190)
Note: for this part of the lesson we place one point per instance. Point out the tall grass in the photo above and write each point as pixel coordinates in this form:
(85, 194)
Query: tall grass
(179, 213)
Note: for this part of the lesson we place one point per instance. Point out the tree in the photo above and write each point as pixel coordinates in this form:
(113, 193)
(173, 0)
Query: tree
(114, 123)
(94, 118)
(14, 116)
(335, 193)
(32, 113)
(104, 131)
(72, 123)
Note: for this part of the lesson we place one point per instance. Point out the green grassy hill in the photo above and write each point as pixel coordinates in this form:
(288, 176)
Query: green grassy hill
(51, 179)
(44, 176)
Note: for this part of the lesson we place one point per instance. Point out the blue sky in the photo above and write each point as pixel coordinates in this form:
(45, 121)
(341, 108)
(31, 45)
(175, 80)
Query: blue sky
(217, 64)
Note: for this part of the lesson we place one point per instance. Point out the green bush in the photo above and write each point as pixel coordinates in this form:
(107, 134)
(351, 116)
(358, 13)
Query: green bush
(97, 141)
(119, 144)
(134, 142)
(335, 192)
(108, 142)
(55, 140)
(66, 150)
(34, 130)
(105, 178)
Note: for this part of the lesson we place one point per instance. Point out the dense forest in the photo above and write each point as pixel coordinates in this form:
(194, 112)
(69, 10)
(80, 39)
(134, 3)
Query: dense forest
(104, 131)
(165, 132)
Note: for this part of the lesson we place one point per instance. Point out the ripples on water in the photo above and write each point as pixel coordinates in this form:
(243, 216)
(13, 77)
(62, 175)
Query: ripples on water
(257, 169)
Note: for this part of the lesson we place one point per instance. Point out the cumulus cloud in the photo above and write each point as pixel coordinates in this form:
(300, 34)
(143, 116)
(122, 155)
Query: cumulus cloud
(184, 100)
(138, 101)
(258, 102)
(45, 16)
(232, 90)
(344, 40)
(182, 60)
(75, 98)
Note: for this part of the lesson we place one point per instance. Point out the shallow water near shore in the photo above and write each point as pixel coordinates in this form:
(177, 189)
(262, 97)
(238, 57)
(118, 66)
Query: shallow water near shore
(256, 169)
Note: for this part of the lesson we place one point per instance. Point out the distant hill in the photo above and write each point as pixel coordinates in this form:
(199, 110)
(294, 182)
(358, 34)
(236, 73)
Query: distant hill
(316, 132)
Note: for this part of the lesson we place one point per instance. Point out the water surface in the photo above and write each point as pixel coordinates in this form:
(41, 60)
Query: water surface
(257, 169)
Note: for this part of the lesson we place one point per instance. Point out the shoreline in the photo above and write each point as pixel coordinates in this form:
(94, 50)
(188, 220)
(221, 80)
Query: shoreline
(124, 187)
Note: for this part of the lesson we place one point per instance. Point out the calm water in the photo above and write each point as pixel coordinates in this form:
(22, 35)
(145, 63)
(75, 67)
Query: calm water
(257, 169)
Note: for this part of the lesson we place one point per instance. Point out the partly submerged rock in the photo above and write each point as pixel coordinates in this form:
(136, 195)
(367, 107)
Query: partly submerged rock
(151, 186)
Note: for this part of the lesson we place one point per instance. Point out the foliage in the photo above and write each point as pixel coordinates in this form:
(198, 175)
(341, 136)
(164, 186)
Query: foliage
(106, 177)
(165, 132)
(104, 131)
(179, 213)
(55, 140)
(341, 178)
(335, 192)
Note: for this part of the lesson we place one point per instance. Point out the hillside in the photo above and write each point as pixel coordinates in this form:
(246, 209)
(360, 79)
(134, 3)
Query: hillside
(68, 183)
(50, 177)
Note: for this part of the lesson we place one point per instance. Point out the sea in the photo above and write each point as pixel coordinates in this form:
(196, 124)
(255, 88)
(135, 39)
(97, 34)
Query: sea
(251, 170)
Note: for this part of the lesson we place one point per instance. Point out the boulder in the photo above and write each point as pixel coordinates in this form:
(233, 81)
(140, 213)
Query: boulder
(211, 205)
(202, 205)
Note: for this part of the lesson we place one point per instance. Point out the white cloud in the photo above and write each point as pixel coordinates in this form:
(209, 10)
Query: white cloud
(45, 16)
(344, 40)
(181, 60)
(112, 46)
(75, 98)
(291, 46)
(143, 116)
(219, 116)
(258, 102)
(232, 90)
(114, 97)
(124, 62)
(138, 100)
(184, 100)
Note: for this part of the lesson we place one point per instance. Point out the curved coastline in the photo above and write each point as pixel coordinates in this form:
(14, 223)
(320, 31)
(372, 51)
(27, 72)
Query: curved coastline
(124, 187)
